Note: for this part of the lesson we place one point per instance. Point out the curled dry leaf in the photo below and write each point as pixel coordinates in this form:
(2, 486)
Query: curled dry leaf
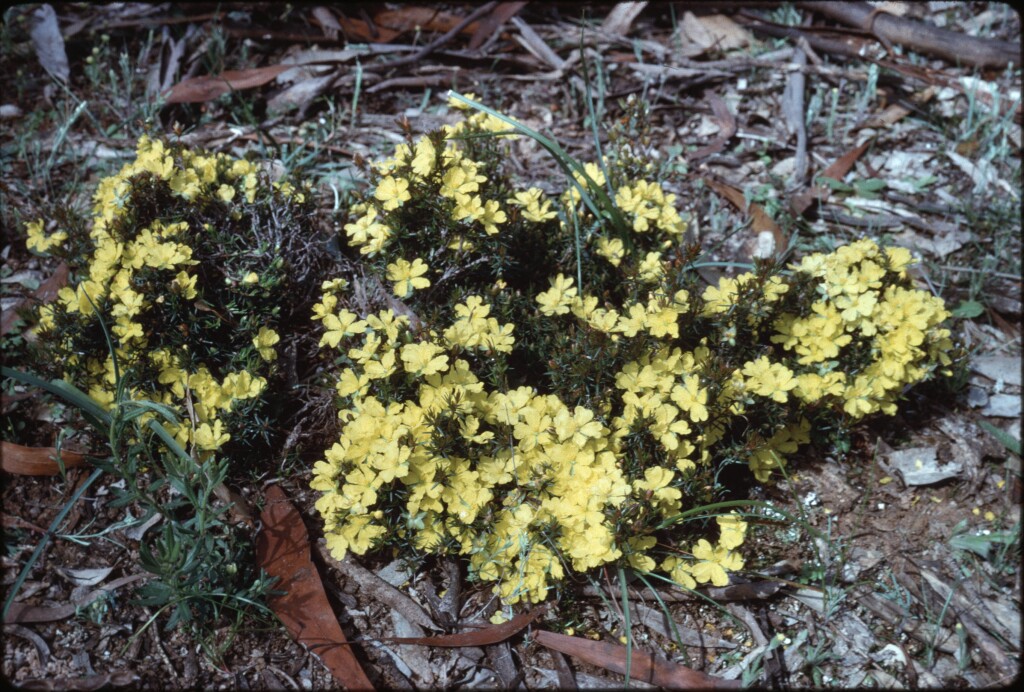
(802, 201)
(49, 43)
(98, 681)
(282, 549)
(36, 461)
(760, 221)
(491, 634)
(621, 17)
(209, 87)
(503, 12)
(46, 292)
(24, 612)
(644, 665)
(727, 127)
(425, 19)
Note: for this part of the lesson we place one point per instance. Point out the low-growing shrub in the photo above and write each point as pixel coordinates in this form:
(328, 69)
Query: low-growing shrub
(193, 273)
(189, 271)
(550, 388)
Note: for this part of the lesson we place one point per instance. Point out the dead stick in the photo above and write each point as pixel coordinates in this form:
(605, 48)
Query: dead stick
(445, 38)
(949, 45)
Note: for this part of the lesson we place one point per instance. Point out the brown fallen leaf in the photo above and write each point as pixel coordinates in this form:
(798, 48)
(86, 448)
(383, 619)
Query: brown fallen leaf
(49, 43)
(493, 22)
(415, 18)
(644, 665)
(282, 549)
(837, 171)
(750, 591)
(715, 31)
(483, 637)
(36, 461)
(726, 124)
(209, 87)
(24, 612)
(760, 221)
(621, 17)
(328, 24)
(46, 292)
(88, 683)
(360, 31)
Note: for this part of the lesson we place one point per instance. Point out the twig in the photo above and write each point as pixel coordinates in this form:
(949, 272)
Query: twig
(154, 634)
(793, 109)
(42, 650)
(747, 618)
(446, 37)
(415, 81)
(377, 588)
(957, 48)
(536, 45)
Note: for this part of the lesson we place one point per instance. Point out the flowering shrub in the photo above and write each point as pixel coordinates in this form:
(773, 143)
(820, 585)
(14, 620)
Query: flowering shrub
(549, 388)
(192, 265)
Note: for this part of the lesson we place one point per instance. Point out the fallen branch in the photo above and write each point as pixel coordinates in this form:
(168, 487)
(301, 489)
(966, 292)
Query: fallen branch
(949, 45)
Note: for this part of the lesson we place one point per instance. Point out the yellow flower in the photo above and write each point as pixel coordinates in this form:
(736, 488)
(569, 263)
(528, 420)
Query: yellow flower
(558, 299)
(611, 249)
(461, 105)
(389, 323)
(127, 330)
(185, 285)
(590, 170)
(38, 241)
(467, 207)
(662, 320)
(326, 307)
(772, 380)
(656, 482)
(631, 324)
(679, 570)
(492, 215)
(209, 437)
(733, 530)
(379, 369)
(356, 534)
(577, 426)
(811, 386)
(899, 259)
(691, 398)
(534, 208)
(339, 326)
(392, 192)
(368, 350)
(713, 563)
(461, 180)
(650, 269)
(264, 342)
(407, 277)
(423, 162)
(364, 229)
(242, 385)
(226, 193)
(185, 183)
(423, 359)
(333, 286)
(636, 553)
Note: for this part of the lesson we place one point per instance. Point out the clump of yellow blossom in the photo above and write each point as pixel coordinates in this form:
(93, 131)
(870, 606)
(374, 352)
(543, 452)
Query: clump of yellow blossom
(188, 263)
(570, 390)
